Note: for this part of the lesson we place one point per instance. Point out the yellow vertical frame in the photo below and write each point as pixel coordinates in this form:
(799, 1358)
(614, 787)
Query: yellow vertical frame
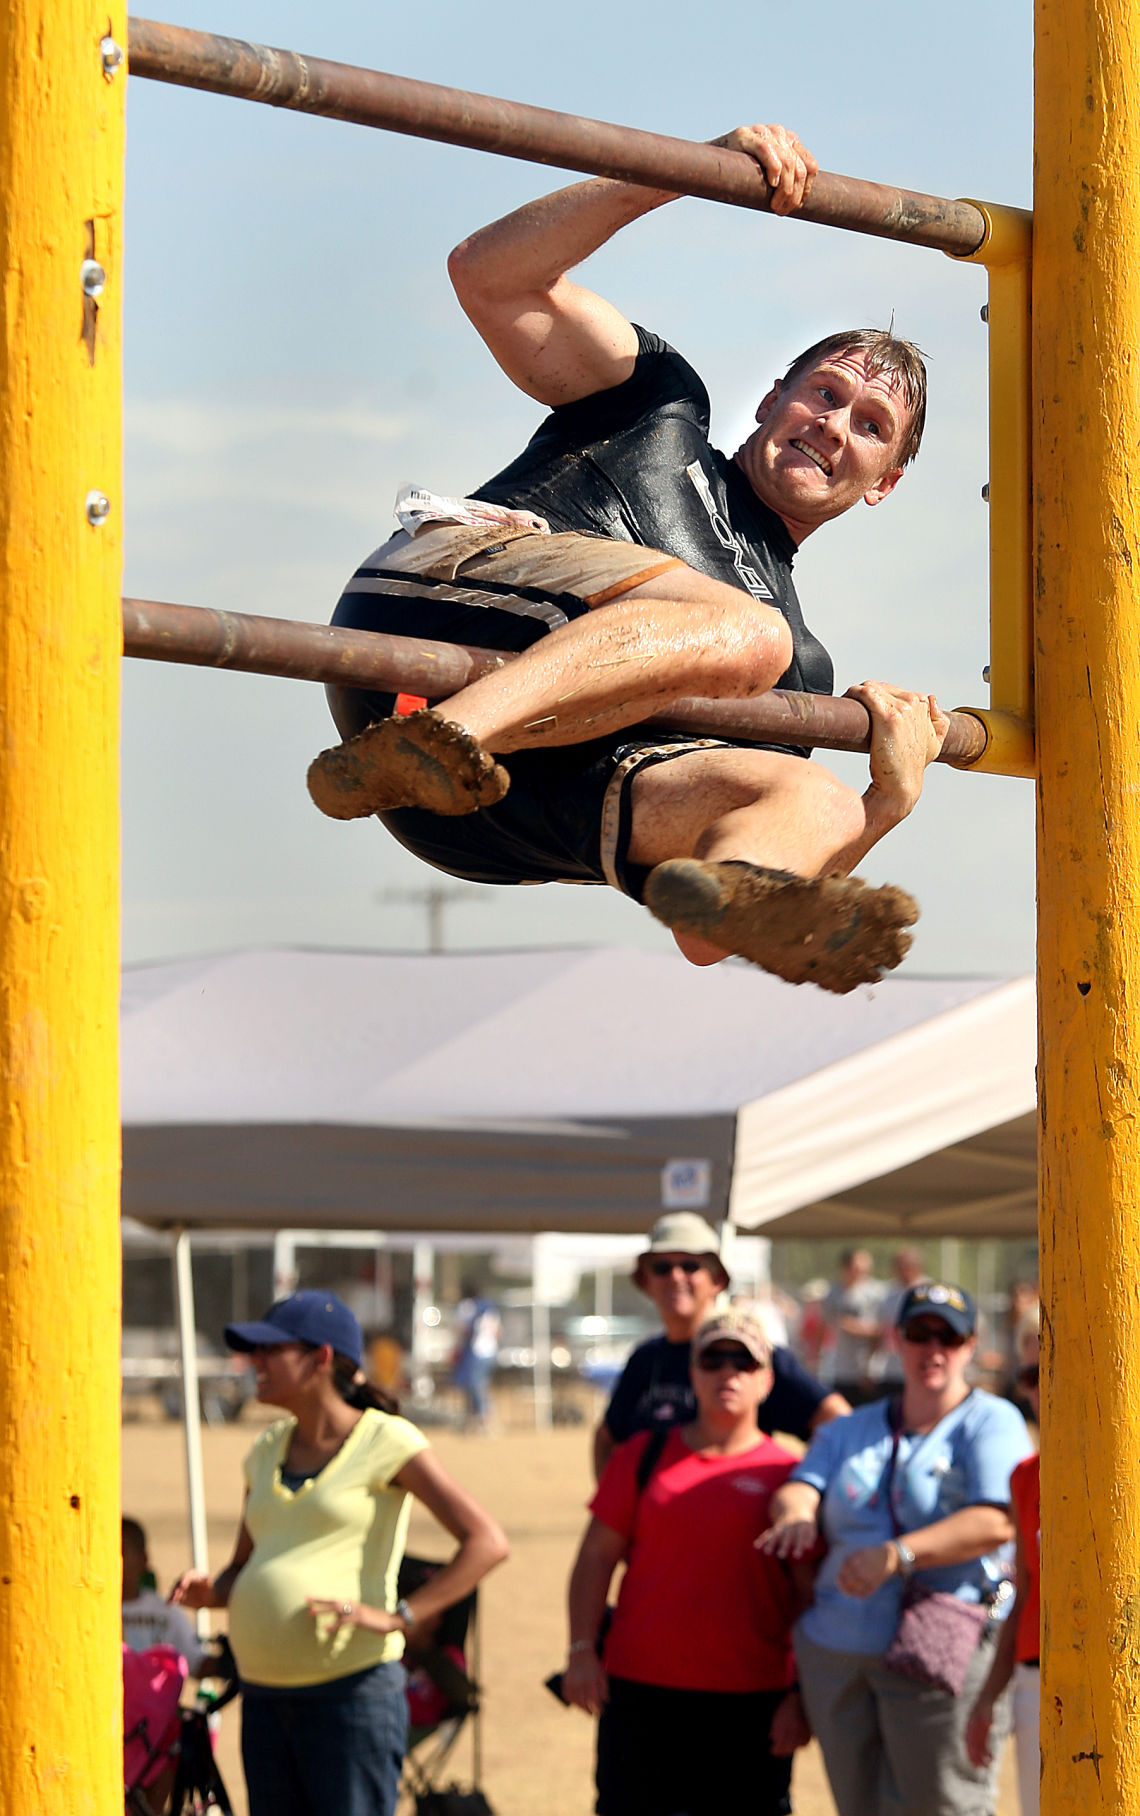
(1005, 251)
(1086, 473)
(61, 164)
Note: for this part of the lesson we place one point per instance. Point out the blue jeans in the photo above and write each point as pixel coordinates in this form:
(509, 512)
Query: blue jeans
(332, 1749)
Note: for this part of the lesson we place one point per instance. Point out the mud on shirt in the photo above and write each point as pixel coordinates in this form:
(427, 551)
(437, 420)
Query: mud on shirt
(634, 463)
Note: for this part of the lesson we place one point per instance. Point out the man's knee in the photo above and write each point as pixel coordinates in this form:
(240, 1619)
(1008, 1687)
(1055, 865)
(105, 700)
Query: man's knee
(750, 642)
(836, 805)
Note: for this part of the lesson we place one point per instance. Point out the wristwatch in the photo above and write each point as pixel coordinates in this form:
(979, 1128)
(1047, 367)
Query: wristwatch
(408, 1616)
(905, 1557)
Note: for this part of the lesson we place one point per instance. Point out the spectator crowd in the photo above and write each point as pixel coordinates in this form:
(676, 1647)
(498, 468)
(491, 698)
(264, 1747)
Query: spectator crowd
(832, 1535)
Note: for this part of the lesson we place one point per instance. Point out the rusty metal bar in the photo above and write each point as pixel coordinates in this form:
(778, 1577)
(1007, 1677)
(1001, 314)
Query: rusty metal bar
(321, 652)
(365, 97)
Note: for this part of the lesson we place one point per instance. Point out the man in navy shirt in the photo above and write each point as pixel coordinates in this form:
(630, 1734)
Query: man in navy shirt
(629, 564)
(682, 1273)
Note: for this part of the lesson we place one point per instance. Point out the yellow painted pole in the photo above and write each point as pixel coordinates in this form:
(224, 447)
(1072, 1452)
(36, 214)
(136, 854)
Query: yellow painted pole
(61, 159)
(1086, 471)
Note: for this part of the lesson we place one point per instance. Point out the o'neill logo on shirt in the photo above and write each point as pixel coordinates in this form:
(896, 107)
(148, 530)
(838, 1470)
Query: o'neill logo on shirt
(725, 535)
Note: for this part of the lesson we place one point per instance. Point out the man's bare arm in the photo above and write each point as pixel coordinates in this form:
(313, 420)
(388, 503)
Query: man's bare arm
(554, 339)
(832, 1406)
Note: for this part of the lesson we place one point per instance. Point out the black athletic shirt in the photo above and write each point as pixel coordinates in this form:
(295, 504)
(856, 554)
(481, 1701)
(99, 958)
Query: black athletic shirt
(654, 1390)
(634, 463)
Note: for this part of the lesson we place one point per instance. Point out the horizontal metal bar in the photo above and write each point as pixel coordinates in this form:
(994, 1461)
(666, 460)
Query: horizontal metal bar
(340, 91)
(319, 652)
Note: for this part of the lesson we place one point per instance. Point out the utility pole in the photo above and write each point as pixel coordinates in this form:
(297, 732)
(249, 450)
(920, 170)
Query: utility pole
(435, 897)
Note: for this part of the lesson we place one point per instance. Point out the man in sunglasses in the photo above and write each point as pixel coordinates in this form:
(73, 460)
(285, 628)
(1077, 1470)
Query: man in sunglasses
(682, 1272)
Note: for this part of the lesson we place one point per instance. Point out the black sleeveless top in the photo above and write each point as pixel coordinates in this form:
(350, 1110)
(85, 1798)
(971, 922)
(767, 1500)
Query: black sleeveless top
(634, 463)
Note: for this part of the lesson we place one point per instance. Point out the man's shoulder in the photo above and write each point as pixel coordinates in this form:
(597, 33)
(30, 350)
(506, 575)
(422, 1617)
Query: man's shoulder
(786, 1366)
(662, 379)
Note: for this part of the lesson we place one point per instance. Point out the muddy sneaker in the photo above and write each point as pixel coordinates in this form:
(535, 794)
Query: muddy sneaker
(419, 760)
(834, 931)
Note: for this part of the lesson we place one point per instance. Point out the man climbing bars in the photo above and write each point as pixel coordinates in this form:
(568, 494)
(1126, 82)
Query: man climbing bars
(634, 565)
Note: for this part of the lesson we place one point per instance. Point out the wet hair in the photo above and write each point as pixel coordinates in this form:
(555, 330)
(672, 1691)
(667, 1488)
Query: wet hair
(133, 1535)
(898, 359)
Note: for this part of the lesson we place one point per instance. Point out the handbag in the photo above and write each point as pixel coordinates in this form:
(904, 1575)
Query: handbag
(938, 1633)
(936, 1637)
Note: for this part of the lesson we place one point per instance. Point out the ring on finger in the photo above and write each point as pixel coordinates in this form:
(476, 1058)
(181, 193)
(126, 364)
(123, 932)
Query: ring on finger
(346, 1608)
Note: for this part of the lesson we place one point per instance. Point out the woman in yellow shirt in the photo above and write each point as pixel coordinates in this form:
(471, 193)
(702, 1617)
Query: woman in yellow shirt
(315, 1623)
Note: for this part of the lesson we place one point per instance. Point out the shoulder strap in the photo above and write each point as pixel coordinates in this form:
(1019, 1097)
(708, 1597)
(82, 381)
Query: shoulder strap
(651, 1456)
(894, 1424)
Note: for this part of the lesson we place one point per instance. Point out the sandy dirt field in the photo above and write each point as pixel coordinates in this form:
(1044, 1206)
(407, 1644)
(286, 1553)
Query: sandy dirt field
(537, 1756)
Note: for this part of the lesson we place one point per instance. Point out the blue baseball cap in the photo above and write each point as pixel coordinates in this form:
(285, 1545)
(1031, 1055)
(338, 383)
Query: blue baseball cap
(311, 1316)
(952, 1304)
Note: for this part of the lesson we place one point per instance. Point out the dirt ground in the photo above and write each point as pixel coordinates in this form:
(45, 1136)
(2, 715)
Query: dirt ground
(537, 1756)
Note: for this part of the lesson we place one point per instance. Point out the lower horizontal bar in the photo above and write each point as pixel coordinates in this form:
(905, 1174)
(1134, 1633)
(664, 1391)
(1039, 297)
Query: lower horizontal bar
(324, 652)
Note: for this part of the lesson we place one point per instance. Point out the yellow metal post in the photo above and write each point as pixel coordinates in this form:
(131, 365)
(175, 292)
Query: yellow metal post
(1086, 311)
(1006, 251)
(61, 159)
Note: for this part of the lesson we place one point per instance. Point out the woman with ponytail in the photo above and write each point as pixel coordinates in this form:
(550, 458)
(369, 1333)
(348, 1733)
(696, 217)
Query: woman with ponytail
(315, 1623)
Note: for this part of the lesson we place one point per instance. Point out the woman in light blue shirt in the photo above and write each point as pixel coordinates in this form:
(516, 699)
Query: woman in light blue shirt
(892, 1746)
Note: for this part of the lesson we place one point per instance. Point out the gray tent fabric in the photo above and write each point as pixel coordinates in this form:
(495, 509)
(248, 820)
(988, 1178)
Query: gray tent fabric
(548, 1090)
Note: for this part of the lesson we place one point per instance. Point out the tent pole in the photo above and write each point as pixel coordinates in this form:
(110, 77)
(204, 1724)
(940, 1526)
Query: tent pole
(191, 1403)
(540, 1334)
(726, 1243)
(423, 1288)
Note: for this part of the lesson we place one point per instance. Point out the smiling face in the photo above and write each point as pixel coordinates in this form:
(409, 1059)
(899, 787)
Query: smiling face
(682, 1288)
(829, 438)
(285, 1372)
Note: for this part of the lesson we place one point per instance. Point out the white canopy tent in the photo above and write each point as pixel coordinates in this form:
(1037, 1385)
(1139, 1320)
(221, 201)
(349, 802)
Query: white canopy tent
(567, 1090)
(573, 1090)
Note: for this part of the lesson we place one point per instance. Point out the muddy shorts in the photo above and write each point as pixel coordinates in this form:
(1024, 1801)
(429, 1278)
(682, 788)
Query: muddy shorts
(567, 816)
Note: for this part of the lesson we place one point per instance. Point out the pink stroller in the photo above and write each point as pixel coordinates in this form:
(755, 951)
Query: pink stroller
(168, 1755)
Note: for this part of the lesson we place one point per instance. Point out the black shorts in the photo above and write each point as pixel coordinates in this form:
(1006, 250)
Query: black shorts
(567, 815)
(700, 1752)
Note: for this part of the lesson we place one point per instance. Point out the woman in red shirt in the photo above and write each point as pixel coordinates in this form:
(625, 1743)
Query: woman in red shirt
(1019, 1644)
(699, 1643)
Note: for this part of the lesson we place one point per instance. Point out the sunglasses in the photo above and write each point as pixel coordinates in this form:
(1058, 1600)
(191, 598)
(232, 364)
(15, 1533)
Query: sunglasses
(661, 1270)
(741, 1361)
(931, 1333)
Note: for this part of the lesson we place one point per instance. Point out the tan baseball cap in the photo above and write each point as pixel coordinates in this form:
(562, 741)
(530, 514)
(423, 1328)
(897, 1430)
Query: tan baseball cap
(734, 1327)
(683, 1233)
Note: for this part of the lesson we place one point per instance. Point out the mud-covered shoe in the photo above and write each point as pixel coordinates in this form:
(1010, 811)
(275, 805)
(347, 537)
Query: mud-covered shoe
(834, 931)
(418, 760)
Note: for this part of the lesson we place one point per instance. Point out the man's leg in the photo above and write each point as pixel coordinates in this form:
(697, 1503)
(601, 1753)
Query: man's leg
(743, 847)
(675, 635)
(752, 880)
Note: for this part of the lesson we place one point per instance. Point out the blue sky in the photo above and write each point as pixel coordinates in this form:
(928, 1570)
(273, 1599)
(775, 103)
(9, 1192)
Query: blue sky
(294, 352)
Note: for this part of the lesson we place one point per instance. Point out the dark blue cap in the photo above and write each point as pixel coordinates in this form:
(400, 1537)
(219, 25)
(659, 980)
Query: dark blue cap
(311, 1316)
(932, 1298)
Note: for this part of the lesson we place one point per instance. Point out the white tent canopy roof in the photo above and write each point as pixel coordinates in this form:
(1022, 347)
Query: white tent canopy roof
(542, 1090)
